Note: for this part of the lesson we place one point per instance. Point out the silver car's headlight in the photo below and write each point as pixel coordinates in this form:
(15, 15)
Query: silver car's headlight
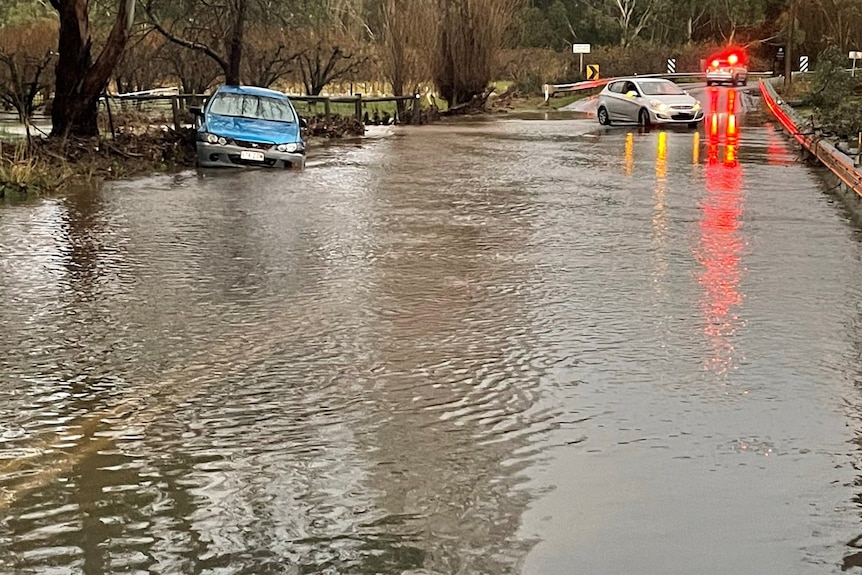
(696, 106)
(659, 106)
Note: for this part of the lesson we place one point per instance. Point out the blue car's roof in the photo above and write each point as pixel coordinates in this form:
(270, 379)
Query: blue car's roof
(251, 91)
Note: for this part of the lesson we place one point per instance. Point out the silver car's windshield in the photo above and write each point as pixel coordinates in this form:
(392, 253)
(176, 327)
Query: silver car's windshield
(661, 89)
(248, 106)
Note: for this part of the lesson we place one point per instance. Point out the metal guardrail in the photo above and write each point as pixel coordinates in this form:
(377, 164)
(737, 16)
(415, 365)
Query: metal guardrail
(553, 89)
(837, 161)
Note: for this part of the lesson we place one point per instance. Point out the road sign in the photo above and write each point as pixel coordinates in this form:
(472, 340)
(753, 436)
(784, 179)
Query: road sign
(580, 48)
(780, 54)
(592, 71)
(671, 65)
(855, 55)
(803, 63)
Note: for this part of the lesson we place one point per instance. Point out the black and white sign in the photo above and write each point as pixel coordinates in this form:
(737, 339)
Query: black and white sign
(671, 65)
(803, 63)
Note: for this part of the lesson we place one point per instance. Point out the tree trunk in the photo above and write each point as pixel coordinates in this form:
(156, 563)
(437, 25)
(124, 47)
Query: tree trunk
(80, 81)
(233, 73)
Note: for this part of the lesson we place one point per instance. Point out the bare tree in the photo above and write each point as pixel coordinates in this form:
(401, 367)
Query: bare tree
(26, 64)
(406, 34)
(216, 29)
(141, 66)
(269, 57)
(470, 34)
(324, 61)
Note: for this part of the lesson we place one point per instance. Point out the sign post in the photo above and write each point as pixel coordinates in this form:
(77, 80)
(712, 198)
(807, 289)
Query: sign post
(581, 49)
(671, 65)
(854, 55)
(803, 63)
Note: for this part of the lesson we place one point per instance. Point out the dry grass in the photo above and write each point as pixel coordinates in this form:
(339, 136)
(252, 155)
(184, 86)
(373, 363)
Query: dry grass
(51, 166)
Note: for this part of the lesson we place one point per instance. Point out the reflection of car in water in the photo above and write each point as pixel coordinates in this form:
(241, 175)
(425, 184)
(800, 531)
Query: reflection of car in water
(727, 67)
(647, 101)
(722, 128)
(248, 126)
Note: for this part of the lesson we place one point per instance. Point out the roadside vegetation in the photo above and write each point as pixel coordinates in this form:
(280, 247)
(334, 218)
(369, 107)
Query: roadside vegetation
(834, 97)
(59, 57)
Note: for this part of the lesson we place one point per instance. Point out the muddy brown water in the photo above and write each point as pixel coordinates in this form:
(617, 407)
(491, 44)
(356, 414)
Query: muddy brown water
(518, 345)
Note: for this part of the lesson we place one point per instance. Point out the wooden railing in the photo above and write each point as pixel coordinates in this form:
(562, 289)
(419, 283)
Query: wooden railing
(178, 104)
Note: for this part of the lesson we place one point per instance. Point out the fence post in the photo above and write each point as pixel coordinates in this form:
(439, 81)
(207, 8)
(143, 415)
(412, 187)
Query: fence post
(358, 107)
(417, 109)
(175, 110)
(327, 108)
(110, 117)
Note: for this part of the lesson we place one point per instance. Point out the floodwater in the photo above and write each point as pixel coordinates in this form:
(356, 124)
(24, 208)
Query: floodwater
(504, 346)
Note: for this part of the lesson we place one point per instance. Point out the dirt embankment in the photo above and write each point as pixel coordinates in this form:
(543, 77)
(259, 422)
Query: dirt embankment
(51, 165)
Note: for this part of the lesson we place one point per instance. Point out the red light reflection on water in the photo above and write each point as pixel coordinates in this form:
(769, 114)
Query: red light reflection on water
(721, 245)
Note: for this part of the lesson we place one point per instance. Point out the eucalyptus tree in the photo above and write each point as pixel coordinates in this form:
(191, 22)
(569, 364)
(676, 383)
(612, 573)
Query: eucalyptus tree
(81, 78)
(21, 11)
(729, 16)
(632, 17)
(558, 24)
(832, 22)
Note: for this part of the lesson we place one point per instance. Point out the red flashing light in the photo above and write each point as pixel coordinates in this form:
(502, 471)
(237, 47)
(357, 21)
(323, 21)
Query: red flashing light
(733, 59)
(715, 63)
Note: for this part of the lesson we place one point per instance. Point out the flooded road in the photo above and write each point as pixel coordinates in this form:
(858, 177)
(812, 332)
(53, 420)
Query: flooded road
(502, 346)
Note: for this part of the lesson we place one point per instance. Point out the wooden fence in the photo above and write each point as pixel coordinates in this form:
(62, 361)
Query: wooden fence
(177, 106)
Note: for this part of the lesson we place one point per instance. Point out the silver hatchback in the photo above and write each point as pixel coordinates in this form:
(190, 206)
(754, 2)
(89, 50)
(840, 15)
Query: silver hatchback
(647, 101)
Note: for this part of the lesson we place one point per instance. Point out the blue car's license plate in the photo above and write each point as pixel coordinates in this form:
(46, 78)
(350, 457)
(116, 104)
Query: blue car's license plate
(252, 156)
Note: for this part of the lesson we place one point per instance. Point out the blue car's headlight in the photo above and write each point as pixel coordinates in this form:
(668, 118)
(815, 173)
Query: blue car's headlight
(212, 138)
(290, 147)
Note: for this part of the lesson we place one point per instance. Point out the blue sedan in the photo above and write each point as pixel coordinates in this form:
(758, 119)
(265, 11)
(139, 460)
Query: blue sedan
(250, 126)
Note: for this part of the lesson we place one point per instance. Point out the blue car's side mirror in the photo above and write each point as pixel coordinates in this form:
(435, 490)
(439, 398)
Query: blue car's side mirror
(303, 123)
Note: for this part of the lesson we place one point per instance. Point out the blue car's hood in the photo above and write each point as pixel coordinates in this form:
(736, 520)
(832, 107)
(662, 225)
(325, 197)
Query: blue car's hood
(262, 131)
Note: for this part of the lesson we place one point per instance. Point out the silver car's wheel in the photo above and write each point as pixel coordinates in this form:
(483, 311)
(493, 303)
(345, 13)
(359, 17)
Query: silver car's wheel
(643, 117)
(602, 114)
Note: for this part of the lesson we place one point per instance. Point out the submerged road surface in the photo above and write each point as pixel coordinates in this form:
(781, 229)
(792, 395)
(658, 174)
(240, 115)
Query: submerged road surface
(504, 346)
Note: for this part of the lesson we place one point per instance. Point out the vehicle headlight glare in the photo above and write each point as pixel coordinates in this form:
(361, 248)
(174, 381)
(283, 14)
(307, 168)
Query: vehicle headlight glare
(211, 138)
(656, 105)
(696, 106)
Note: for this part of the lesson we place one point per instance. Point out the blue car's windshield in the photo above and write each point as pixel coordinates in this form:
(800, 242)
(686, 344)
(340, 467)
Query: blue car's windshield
(248, 106)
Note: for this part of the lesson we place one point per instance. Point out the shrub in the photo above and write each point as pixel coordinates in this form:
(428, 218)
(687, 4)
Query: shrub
(831, 95)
